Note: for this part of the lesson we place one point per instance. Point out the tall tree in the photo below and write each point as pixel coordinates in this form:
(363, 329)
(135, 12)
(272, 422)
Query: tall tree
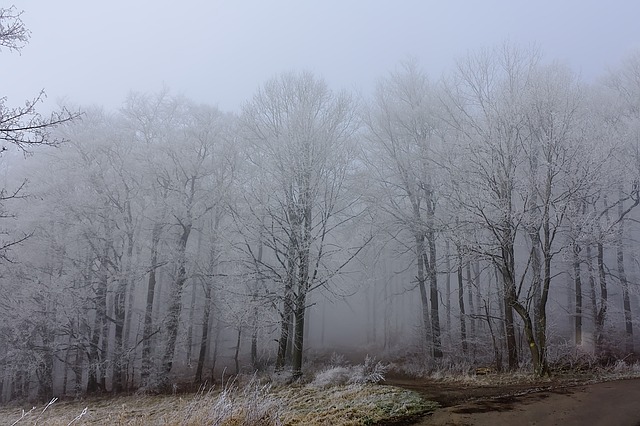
(301, 134)
(625, 84)
(519, 129)
(403, 130)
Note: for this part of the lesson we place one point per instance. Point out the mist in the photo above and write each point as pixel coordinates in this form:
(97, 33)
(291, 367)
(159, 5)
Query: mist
(202, 192)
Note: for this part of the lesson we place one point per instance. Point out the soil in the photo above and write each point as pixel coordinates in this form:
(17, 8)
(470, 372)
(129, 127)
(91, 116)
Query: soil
(552, 403)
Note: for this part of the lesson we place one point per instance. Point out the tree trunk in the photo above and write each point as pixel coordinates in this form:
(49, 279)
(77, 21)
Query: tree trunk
(530, 336)
(77, 369)
(175, 306)
(419, 240)
(204, 338)
(301, 297)
(131, 291)
(237, 352)
(44, 370)
(592, 290)
(286, 315)
(190, 324)
(463, 326)
(541, 312)
(214, 356)
(475, 266)
(447, 299)
(119, 344)
(624, 282)
(536, 273)
(433, 296)
(255, 314)
(286, 319)
(472, 321)
(147, 362)
(578, 289)
(496, 349)
(507, 268)
(298, 337)
(604, 302)
(97, 350)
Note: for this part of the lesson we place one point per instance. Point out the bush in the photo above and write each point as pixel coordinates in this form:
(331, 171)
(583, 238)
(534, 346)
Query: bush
(337, 360)
(368, 372)
(333, 376)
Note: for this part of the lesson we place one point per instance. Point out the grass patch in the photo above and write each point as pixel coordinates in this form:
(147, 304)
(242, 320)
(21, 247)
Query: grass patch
(251, 404)
(356, 404)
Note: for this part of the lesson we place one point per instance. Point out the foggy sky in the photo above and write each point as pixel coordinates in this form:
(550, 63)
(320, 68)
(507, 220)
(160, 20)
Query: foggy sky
(219, 52)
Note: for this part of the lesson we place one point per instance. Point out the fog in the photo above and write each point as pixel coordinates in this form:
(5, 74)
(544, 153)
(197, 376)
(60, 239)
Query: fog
(236, 186)
(220, 52)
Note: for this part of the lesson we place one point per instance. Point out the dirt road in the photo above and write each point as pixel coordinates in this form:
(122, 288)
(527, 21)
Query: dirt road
(615, 403)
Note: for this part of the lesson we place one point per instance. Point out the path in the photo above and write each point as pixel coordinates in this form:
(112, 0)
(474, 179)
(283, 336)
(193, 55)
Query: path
(615, 403)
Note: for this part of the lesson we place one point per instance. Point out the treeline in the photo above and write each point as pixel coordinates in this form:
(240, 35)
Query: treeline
(158, 238)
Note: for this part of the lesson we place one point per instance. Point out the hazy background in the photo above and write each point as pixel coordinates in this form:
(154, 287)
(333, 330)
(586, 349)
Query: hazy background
(219, 52)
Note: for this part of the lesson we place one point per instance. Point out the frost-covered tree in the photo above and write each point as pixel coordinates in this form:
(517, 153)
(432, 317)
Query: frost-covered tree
(402, 125)
(302, 137)
(22, 127)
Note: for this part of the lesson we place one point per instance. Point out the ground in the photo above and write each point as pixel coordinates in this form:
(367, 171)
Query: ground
(464, 399)
(560, 401)
(251, 403)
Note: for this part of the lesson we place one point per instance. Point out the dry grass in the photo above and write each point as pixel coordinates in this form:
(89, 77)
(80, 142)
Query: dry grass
(465, 375)
(356, 404)
(251, 404)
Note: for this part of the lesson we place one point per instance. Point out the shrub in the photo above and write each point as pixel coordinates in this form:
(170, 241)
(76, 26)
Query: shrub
(368, 372)
(337, 360)
(333, 376)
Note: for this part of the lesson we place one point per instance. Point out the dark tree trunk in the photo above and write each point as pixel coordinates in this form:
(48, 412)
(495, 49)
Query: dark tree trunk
(578, 290)
(286, 319)
(507, 268)
(530, 336)
(447, 299)
(255, 314)
(190, 325)
(236, 355)
(624, 283)
(463, 326)
(592, 287)
(147, 362)
(433, 296)
(298, 336)
(419, 240)
(118, 354)
(204, 338)
(604, 300)
(301, 303)
(472, 314)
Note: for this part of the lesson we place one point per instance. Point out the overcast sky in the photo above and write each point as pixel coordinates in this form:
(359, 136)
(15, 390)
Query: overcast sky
(220, 51)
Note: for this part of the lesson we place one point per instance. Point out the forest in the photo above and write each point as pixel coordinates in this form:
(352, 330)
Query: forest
(486, 217)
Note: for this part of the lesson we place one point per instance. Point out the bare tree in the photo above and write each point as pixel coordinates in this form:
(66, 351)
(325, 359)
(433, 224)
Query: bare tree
(301, 135)
(22, 127)
(403, 130)
(519, 125)
(625, 84)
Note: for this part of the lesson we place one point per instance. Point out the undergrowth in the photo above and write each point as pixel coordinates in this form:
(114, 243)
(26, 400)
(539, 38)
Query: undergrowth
(327, 400)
